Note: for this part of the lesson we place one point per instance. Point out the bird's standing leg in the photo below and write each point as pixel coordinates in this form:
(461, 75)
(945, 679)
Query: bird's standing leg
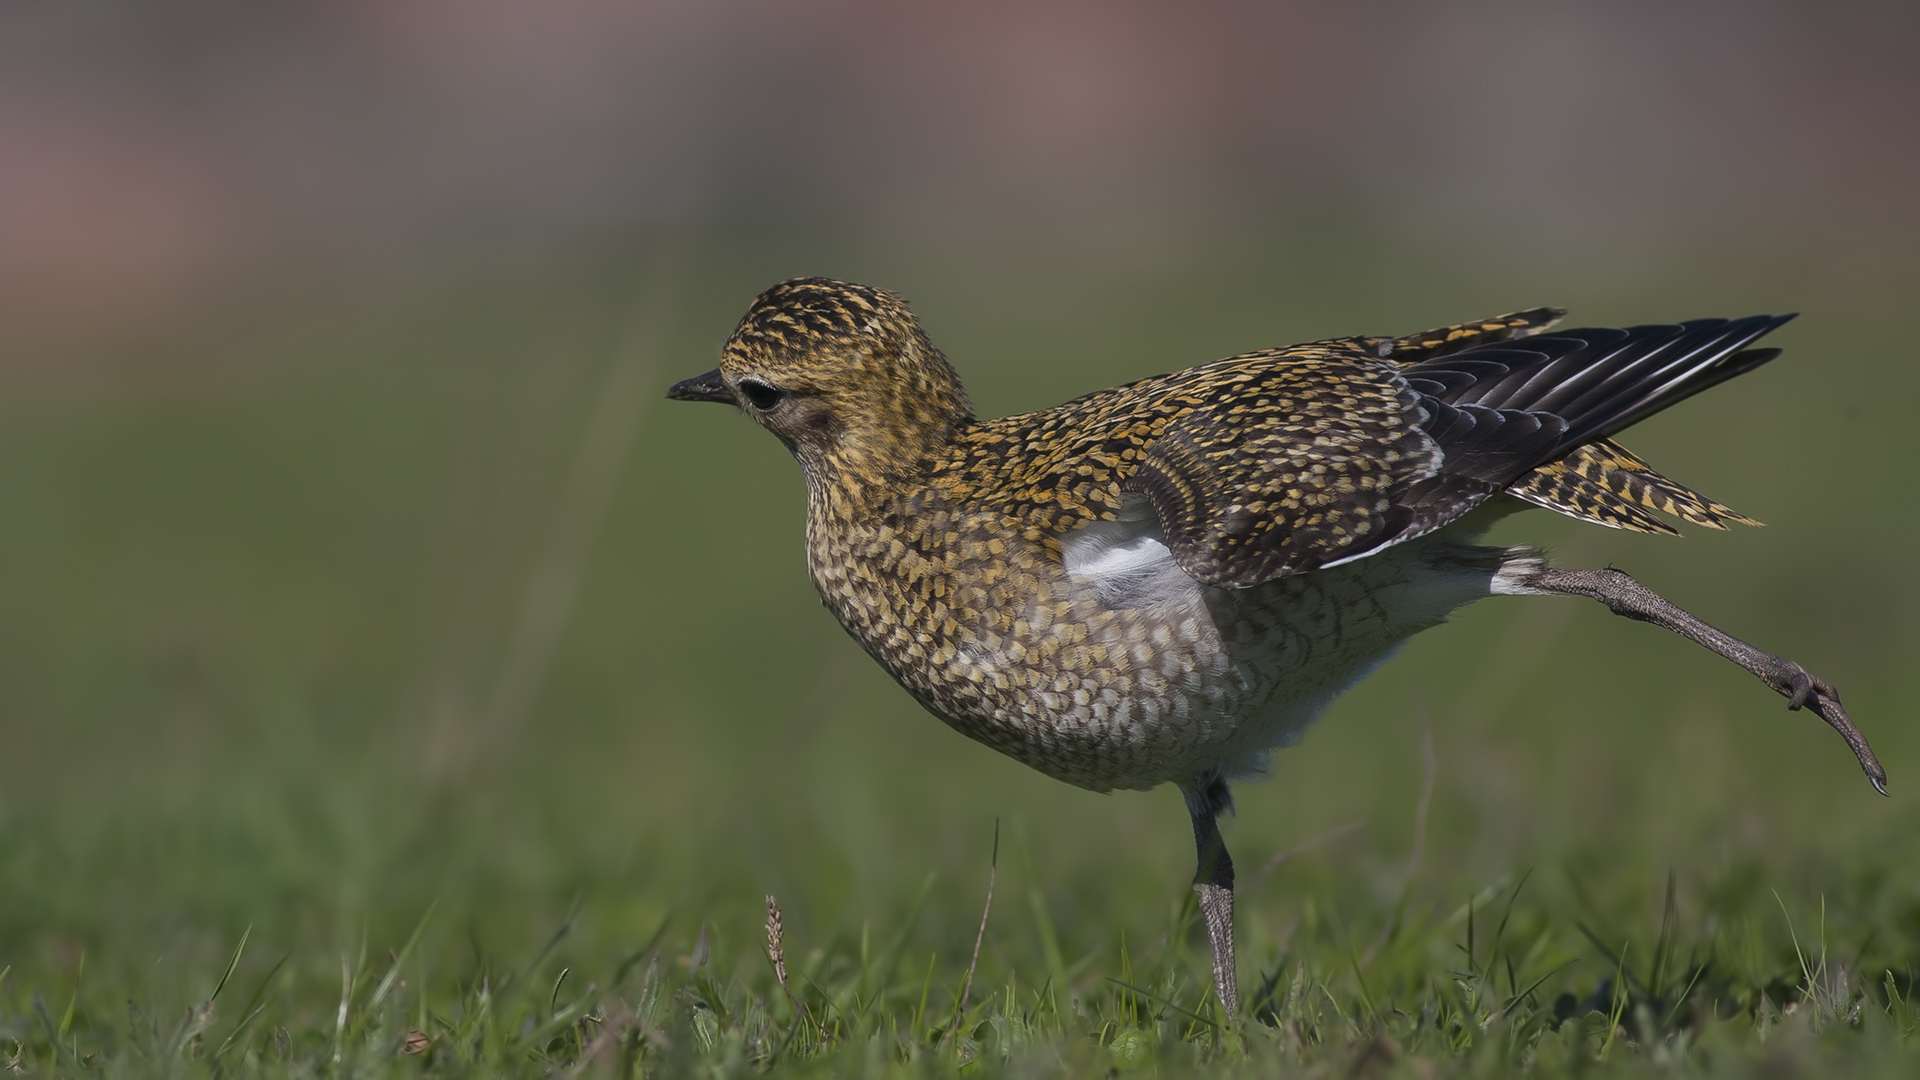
(1207, 798)
(1628, 597)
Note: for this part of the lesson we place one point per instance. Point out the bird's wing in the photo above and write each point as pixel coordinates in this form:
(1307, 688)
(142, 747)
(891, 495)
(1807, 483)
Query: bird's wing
(1311, 460)
(1289, 461)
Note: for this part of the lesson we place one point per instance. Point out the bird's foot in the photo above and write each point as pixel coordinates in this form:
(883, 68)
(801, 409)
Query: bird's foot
(1804, 690)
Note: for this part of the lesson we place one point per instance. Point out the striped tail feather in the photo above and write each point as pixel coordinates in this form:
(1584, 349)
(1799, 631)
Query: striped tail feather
(1605, 483)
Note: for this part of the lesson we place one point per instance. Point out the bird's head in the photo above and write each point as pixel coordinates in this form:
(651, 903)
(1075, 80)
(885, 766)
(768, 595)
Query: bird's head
(840, 373)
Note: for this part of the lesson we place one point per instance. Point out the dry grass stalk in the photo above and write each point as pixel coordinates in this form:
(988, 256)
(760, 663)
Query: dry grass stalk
(966, 987)
(1329, 836)
(776, 951)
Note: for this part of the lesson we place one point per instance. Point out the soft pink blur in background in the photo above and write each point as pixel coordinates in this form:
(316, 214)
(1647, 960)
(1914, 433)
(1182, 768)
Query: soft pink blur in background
(162, 162)
(349, 549)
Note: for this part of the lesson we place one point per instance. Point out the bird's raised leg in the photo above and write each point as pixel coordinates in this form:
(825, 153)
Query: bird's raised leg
(1207, 798)
(1628, 597)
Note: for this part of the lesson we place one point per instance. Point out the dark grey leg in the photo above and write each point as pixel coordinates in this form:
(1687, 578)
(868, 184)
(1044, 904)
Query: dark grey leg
(1628, 597)
(1207, 798)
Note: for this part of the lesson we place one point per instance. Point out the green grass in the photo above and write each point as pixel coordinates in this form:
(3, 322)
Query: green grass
(272, 802)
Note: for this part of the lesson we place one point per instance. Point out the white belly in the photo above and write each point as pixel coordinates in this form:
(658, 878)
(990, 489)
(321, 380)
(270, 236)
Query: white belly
(1260, 665)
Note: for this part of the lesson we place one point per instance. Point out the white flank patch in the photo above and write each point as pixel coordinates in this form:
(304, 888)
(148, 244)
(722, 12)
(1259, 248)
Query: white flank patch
(1127, 560)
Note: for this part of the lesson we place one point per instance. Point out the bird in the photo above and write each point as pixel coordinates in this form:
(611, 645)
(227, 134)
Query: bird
(1165, 581)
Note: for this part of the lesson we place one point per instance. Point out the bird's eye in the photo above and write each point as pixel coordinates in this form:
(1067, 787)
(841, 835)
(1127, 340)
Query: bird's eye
(760, 395)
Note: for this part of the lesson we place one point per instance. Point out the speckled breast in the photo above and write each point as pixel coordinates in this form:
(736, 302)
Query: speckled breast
(993, 635)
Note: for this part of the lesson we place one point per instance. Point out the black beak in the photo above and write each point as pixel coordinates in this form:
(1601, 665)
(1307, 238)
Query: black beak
(706, 387)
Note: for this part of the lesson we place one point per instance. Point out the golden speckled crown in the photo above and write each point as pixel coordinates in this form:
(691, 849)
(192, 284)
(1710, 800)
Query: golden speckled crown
(794, 315)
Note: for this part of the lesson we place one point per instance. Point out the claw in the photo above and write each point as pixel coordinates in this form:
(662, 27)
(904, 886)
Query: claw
(1802, 690)
(1828, 708)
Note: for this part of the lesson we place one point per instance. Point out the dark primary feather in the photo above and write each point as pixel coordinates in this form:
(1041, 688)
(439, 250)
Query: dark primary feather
(1599, 379)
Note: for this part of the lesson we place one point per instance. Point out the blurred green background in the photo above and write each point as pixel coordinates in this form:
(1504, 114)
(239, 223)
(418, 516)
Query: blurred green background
(350, 561)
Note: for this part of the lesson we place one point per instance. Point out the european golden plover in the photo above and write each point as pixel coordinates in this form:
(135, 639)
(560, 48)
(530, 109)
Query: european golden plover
(1164, 581)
